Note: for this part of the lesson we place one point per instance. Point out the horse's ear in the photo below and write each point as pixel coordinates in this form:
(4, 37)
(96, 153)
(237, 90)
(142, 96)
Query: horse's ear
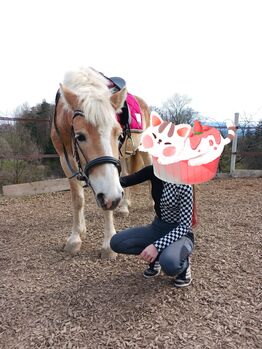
(70, 97)
(118, 99)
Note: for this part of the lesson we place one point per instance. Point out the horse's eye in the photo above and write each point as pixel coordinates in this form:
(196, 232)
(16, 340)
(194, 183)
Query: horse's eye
(80, 137)
(154, 135)
(167, 143)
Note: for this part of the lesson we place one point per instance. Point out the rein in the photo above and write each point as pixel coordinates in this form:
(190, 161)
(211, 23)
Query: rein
(82, 174)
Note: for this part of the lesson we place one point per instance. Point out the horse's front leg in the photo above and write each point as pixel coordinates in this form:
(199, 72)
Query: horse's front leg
(74, 241)
(109, 231)
(125, 202)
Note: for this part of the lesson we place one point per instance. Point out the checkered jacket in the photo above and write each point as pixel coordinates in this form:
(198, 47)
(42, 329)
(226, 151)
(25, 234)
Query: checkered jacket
(173, 204)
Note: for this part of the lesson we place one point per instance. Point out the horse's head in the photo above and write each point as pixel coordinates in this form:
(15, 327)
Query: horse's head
(95, 132)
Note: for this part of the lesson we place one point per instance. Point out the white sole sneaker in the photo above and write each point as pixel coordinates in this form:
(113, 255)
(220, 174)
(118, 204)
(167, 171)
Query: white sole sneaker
(184, 280)
(182, 283)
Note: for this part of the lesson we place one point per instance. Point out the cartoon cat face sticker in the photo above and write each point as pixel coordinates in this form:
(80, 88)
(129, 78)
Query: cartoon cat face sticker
(170, 143)
(162, 139)
(184, 154)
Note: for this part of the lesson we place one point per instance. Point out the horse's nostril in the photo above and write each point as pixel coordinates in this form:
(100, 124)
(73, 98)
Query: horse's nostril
(107, 204)
(115, 204)
(100, 197)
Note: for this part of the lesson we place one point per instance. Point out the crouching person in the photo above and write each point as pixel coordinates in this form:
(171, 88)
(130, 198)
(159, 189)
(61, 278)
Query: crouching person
(168, 241)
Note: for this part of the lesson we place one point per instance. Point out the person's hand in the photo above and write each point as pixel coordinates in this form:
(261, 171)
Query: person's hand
(149, 254)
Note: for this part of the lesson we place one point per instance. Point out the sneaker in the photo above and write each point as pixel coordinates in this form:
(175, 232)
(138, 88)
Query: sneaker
(184, 279)
(153, 270)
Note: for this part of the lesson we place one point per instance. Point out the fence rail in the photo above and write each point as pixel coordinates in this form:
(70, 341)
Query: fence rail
(5, 118)
(40, 156)
(55, 156)
(30, 157)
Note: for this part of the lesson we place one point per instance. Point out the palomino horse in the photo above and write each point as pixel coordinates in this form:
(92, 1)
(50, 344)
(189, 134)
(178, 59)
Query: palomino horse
(85, 133)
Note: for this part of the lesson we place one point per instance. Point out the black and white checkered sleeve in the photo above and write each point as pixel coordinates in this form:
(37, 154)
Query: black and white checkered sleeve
(185, 219)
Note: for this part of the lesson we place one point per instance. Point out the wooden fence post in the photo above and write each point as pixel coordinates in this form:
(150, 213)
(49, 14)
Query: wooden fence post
(234, 148)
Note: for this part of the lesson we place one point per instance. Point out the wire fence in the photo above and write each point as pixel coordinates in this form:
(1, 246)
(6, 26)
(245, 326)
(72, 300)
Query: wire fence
(19, 163)
(242, 128)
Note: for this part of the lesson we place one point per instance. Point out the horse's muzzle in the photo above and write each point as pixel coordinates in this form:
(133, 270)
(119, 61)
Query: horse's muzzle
(107, 204)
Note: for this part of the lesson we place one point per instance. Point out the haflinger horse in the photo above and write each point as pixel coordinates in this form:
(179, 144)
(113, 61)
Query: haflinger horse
(85, 133)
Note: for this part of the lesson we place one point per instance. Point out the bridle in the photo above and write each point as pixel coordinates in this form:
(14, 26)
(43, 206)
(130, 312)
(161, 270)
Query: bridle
(82, 174)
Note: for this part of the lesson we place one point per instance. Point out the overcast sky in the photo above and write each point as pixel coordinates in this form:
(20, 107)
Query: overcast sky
(209, 50)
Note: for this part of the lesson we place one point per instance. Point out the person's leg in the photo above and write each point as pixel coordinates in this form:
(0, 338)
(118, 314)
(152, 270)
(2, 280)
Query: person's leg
(184, 279)
(133, 240)
(174, 259)
(154, 268)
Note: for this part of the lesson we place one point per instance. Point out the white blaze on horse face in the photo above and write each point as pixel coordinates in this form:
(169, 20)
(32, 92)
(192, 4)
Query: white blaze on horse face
(104, 179)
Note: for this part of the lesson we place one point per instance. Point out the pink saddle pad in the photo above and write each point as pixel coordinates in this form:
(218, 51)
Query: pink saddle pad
(135, 113)
(136, 122)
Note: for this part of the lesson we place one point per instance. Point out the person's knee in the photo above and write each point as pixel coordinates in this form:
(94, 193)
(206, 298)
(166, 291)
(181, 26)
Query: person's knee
(114, 244)
(174, 258)
(170, 266)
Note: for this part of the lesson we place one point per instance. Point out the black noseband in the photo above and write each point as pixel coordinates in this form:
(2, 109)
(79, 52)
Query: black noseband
(80, 174)
(100, 161)
(83, 175)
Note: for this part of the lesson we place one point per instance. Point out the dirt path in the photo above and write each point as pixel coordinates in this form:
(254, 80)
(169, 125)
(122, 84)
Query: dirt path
(51, 300)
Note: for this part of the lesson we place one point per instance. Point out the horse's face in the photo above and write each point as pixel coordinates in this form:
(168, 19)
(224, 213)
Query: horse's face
(96, 140)
(95, 143)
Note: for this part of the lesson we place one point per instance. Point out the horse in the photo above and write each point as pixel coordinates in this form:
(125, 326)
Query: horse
(85, 133)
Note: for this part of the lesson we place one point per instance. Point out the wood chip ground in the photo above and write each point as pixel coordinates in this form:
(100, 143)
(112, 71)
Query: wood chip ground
(52, 300)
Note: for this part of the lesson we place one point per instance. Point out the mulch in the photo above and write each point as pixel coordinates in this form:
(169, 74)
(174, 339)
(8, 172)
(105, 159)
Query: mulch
(49, 299)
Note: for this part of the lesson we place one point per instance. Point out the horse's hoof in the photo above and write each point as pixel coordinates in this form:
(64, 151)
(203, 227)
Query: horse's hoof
(83, 235)
(73, 247)
(108, 254)
(122, 211)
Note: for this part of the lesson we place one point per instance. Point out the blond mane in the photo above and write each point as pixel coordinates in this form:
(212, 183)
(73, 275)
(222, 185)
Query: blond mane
(92, 90)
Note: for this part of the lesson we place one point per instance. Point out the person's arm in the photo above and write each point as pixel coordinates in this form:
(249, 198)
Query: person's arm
(137, 177)
(185, 219)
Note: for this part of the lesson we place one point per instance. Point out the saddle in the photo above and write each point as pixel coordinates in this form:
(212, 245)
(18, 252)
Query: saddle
(118, 82)
(130, 116)
(116, 85)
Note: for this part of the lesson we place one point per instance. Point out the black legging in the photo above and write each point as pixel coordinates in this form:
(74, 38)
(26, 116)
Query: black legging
(173, 259)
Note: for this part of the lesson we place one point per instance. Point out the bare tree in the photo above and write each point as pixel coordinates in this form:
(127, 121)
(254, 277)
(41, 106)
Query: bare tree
(18, 149)
(249, 144)
(176, 109)
(5, 151)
